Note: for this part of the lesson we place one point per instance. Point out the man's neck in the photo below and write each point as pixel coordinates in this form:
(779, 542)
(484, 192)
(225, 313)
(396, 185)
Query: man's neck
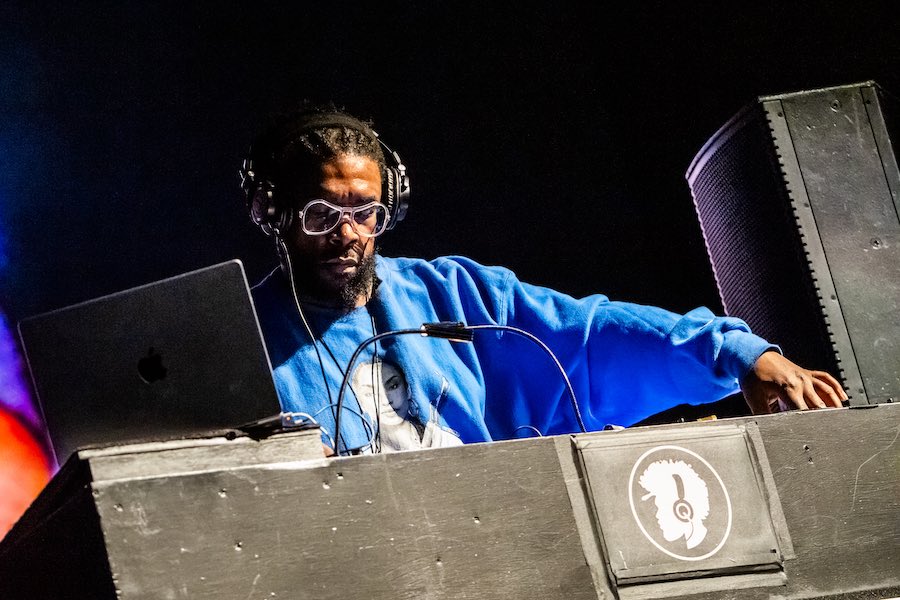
(309, 293)
(334, 301)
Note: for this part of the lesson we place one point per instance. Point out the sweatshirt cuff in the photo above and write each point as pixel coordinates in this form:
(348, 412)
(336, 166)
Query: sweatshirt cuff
(740, 351)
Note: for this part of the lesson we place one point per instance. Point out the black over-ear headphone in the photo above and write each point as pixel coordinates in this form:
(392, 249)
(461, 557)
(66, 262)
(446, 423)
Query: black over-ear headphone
(274, 215)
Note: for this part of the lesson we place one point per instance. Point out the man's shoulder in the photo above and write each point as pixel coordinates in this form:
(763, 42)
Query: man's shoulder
(454, 287)
(442, 267)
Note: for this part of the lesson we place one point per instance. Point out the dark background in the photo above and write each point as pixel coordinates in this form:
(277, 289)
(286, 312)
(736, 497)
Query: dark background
(552, 139)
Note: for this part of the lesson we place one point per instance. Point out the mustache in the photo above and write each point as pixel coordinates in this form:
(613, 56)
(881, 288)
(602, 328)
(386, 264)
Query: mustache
(355, 249)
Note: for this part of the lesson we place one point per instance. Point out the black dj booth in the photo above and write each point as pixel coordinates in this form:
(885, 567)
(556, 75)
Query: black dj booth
(792, 505)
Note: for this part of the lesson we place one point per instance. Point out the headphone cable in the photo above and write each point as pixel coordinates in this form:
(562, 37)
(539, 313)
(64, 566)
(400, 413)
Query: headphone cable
(293, 285)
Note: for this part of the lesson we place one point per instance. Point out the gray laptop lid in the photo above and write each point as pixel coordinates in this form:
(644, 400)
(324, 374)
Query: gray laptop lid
(170, 359)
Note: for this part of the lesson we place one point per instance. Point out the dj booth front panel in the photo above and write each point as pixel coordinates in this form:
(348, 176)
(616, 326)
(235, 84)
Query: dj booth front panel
(813, 511)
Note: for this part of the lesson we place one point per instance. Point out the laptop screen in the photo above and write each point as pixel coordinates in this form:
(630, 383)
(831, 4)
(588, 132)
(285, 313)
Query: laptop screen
(169, 359)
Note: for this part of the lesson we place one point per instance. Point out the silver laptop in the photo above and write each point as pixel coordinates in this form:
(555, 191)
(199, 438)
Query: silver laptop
(176, 358)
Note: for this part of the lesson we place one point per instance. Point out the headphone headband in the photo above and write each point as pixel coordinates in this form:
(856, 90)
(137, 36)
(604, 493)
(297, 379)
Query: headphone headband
(329, 119)
(274, 216)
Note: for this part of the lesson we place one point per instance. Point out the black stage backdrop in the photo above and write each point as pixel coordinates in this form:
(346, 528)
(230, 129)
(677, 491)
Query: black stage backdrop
(552, 139)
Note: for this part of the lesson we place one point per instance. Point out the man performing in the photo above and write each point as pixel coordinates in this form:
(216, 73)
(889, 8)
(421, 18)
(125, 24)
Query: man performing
(325, 187)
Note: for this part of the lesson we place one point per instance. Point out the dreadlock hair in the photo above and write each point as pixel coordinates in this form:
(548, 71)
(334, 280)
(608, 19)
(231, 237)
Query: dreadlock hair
(292, 148)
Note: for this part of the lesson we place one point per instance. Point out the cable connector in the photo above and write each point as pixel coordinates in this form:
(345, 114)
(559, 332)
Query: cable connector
(455, 331)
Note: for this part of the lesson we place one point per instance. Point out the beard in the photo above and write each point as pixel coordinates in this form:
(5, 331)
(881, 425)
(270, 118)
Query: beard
(344, 294)
(360, 284)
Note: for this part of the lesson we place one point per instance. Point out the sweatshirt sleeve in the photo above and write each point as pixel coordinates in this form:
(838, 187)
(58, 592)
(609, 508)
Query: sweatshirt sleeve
(629, 361)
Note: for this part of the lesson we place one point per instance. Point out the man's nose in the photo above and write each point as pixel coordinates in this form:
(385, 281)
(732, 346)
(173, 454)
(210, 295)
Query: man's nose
(345, 230)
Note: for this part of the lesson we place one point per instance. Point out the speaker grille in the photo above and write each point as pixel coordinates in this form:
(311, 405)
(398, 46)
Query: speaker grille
(798, 197)
(758, 255)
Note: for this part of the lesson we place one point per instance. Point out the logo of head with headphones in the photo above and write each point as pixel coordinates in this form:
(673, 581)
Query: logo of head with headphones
(680, 503)
(314, 136)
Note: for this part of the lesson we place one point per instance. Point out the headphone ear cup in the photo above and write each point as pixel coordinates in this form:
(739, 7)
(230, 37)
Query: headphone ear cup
(395, 194)
(395, 186)
(266, 213)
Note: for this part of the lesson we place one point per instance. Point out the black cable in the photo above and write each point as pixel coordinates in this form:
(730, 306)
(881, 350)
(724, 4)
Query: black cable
(531, 427)
(458, 332)
(353, 357)
(552, 356)
(315, 341)
(293, 285)
(367, 427)
(376, 391)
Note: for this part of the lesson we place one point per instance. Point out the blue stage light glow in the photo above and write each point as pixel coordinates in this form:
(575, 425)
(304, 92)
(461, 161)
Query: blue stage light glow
(23, 143)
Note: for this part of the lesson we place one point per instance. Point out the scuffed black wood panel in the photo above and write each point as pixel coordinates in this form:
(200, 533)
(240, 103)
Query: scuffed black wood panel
(62, 557)
(179, 520)
(481, 521)
(838, 476)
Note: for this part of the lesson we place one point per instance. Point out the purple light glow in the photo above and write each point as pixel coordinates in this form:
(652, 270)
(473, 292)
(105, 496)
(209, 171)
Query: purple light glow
(14, 393)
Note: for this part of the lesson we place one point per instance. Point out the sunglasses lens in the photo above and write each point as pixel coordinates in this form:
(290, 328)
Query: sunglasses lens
(320, 217)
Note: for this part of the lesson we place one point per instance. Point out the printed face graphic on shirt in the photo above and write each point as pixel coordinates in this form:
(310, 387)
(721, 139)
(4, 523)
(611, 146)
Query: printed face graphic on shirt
(396, 389)
(385, 396)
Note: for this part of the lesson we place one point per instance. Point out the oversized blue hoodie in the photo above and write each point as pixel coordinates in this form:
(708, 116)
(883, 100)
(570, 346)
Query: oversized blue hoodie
(625, 361)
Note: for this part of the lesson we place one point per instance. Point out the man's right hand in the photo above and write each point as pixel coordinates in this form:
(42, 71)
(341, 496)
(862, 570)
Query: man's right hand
(774, 383)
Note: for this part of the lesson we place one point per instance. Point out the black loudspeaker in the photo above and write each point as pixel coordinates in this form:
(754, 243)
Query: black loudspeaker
(797, 197)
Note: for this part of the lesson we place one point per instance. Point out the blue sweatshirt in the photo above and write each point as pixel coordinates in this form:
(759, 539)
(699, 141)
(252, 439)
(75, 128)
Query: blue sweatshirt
(625, 361)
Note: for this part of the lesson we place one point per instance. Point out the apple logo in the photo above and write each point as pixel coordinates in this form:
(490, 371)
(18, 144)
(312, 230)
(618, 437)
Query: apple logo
(151, 368)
